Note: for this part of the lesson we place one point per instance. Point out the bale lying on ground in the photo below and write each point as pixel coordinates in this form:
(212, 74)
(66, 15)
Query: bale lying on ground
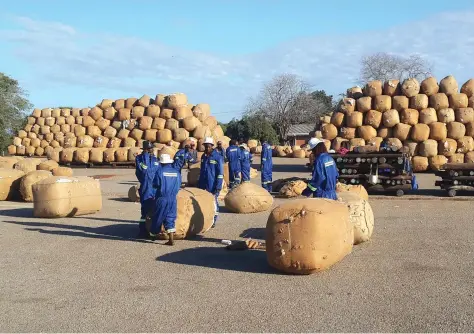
(292, 189)
(248, 198)
(357, 189)
(48, 165)
(27, 165)
(10, 183)
(308, 235)
(360, 215)
(27, 182)
(62, 171)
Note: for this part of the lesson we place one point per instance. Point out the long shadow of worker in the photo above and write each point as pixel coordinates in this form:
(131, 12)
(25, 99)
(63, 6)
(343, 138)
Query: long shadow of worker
(254, 233)
(253, 261)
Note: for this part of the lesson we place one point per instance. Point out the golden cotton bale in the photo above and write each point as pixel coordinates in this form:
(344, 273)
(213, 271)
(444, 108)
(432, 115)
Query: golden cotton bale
(8, 162)
(133, 152)
(53, 153)
(88, 121)
(470, 129)
(411, 147)
(29, 180)
(85, 142)
(382, 103)
(110, 113)
(46, 112)
(248, 198)
(68, 112)
(347, 105)
(337, 119)
(468, 88)
(203, 131)
(17, 141)
(93, 131)
(158, 123)
(144, 101)
(409, 116)
(109, 155)
(176, 100)
(373, 118)
(458, 100)
(106, 103)
(62, 171)
(96, 113)
(395, 142)
(137, 112)
(469, 158)
(20, 150)
(39, 151)
(384, 132)
(45, 130)
(166, 113)
(457, 158)
(117, 125)
(130, 102)
(464, 115)
(420, 132)
(366, 132)
(61, 121)
(410, 87)
(191, 123)
(439, 101)
(329, 131)
(172, 124)
(11, 149)
(182, 112)
(22, 134)
(447, 147)
(448, 85)
(373, 88)
(150, 135)
(79, 121)
(437, 162)
(400, 103)
(446, 115)
(347, 133)
(356, 142)
(31, 120)
(115, 142)
(251, 143)
(124, 133)
(202, 111)
(10, 180)
(211, 122)
(358, 190)
(299, 154)
(438, 131)
(420, 164)
(361, 216)
(153, 111)
(456, 130)
(355, 92)
(364, 104)
(101, 141)
(35, 142)
(336, 143)
(27, 165)
(145, 123)
(31, 135)
(121, 154)
(36, 113)
(96, 155)
(30, 151)
(428, 116)
(159, 100)
(124, 114)
(180, 135)
(136, 134)
(164, 136)
(390, 118)
(375, 142)
(428, 148)
(419, 102)
(102, 123)
(47, 165)
(50, 121)
(429, 86)
(69, 141)
(26, 142)
(465, 144)
(354, 119)
(401, 131)
(391, 88)
(67, 155)
(321, 235)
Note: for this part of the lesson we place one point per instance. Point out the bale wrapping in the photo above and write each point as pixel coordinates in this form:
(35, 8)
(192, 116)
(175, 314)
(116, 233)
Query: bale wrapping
(347, 133)
(439, 101)
(138, 112)
(457, 158)
(419, 102)
(409, 116)
(373, 88)
(329, 131)
(27, 165)
(429, 86)
(447, 147)
(401, 131)
(428, 116)
(28, 180)
(420, 164)
(410, 87)
(47, 165)
(446, 115)
(248, 198)
(458, 100)
(10, 180)
(347, 105)
(372, 118)
(391, 88)
(354, 120)
(390, 118)
(400, 103)
(438, 131)
(456, 130)
(382, 103)
(361, 216)
(364, 104)
(62, 171)
(367, 132)
(465, 144)
(420, 132)
(202, 111)
(428, 148)
(176, 100)
(464, 115)
(308, 235)
(292, 189)
(448, 85)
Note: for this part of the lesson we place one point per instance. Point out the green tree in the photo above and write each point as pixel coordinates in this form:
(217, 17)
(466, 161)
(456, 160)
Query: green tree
(223, 126)
(251, 127)
(326, 102)
(13, 108)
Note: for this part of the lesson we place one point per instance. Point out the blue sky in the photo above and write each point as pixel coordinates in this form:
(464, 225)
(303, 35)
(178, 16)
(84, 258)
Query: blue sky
(220, 52)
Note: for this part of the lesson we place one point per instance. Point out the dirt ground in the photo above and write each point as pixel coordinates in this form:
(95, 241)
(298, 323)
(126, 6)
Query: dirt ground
(88, 274)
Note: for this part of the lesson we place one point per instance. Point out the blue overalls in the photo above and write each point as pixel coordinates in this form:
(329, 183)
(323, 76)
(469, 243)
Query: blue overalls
(233, 156)
(146, 166)
(212, 176)
(324, 178)
(181, 158)
(245, 161)
(408, 169)
(267, 166)
(167, 183)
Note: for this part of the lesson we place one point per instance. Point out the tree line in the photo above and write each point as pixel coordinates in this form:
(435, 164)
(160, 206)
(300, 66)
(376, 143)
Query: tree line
(283, 101)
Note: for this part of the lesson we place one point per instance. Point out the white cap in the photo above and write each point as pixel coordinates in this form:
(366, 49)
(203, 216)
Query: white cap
(165, 159)
(313, 142)
(209, 140)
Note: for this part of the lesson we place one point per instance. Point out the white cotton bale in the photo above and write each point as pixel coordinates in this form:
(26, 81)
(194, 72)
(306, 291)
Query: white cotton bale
(248, 198)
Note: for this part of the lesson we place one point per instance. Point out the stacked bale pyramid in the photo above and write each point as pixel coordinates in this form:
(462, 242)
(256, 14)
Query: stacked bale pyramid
(113, 131)
(434, 121)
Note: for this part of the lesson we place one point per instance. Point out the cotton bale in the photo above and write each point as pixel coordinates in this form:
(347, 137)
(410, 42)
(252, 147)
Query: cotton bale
(164, 136)
(26, 142)
(465, 144)
(138, 112)
(176, 100)
(129, 142)
(11, 149)
(101, 141)
(382, 103)
(468, 88)
(364, 104)
(347, 105)
(203, 131)
(93, 131)
(438, 131)
(36, 128)
(180, 135)
(469, 158)
(448, 85)
(124, 133)
(36, 113)
(400, 103)
(166, 113)
(117, 125)
(20, 150)
(437, 162)
(61, 121)
(420, 164)
(373, 118)
(446, 115)
(115, 142)
(96, 113)
(409, 116)
(45, 130)
(121, 154)
(470, 129)
(191, 123)
(53, 154)
(347, 133)
(428, 116)
(136, 134)
(133, 152)
(65, 112)
(10, 180)
(124, 114)
(456, 130)
(464, 115)
(39, 151)
(390, 118)
(337, 119)
(373, 88)
(171, 151)
(355, 92)
(411, 147)
(211, 122)
(384, 132)
(96, 155)
(248, 198)
(401, 131)
(27, 165)
(79, 121)
(46, 112)
(420, 132)
(395, 142)
(88, 121)
(410, 87)
(202, 111)
(158, 123)
(429, 86)
(81, 155)
(366, 132)
(160, 100)
(375, 142)
(354, 119)
(329, 131)
(439, 101)
(130, 102)
(428, 148)
(35, 142)
(110, 113)
(358, 190)
(356, 142)
(17, 141)
(182, 112)
(457, 158)
(130, 124)
(172, 124)
(361, 216)
(67, 155)
(299, 154)
(47, 165)
(458, 100)
(41, 121)
(50, 121)
(102, 123)
(109, 155)
(150, 135)
(419, 102)
(391, 88)
(85, 142)
(30, 151)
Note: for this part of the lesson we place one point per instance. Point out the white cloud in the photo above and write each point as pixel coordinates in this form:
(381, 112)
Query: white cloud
(58, 55)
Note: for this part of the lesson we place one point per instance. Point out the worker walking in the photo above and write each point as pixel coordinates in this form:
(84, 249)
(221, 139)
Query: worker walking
(146, 166)
(324, 179)
(266, 165)
(182, 157)
(212, 173)
(233, 156)
(245, 162)
(167, 183)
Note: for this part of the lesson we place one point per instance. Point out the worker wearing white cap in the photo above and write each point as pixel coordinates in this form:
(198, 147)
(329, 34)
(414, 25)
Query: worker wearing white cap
(212, 173)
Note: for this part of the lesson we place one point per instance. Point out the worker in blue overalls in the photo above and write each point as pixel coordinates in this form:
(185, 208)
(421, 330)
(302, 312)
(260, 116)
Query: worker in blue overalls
(212, 173)
(182, 157)
(146, 165)
(266, 165)
(324, 179)
(233, 156)
(245, 162)
(167, 183)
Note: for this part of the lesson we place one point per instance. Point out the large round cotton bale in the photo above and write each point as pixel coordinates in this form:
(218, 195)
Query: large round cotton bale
(109, 155)
(400, 103)
(347, 105)
(102, 123)
(468, 88)
(45, 130)
(160, 100)
(150, 135)
(129, 142)
(364, 104)
(329, 131)
(202, 111)
(96, 113)
(10, 180)
(61, 121)
(390, 118)
(355, 92)
(373, 118)
(182, 112)
(409, 116)
(130, 102)
(144, 101)
(26, 142)
(429, 86)
(411, 147)
(46, 112)
(337, 119)
(93, 131)
(110, 132)
(138, 112)
(420, 164)
(81, 155)
(361, 216)
(47, 165)
(439, 101)
(211, 122)
(456, 130)
(41, 121)
(320, 222)
(124, 114)
(448, 85)
(458, 100)
(176, 100)
(203, 131)
(357, 190)
(101, 141)
(35, 142)
(382, 103)
(438, 131)
(391, 88)
(437, 162)
(401, 131)
(27, 165)
(172, 124)
(85, 142)
(356, 142)
(191, 123)
(180, 135)
(110, 113)
(428, 148)
(384, 132)
(354, 119)
(347, 133)
(88, 121)
(30, 151)
(166, 113)
(373, 88)
(336, 143)
(158, 123)
(420, 132)
(428, 116)
(395, 142)
(136, 134)
(469, 158)
(164, 136)
(248, 198)
(32, 135)
(465, 144)
(366, 132)
(410, 87)
(36, 113)
(446, 115)
(464, 115)
(121, 154)
(124, 133)
(96, 155)
(457, 158)
(375, 142)
(20, 150)
(419, 102)
(145, 123)
(50, 121)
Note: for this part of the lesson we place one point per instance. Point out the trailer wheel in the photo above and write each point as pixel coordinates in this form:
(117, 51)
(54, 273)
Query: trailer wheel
(452, 193)
(400, 193)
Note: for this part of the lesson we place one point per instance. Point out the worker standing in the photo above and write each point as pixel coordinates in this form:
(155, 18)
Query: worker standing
(212, 173)
(245, 162)
(220, 149)
(182, 157)
(266, 165)
(167, 183)
(233, 156)
(192, 152)
(324, 179)
(146, 166)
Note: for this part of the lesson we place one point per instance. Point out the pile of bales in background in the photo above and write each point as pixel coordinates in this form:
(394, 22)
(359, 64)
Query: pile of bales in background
(113, 131)
(433, 121)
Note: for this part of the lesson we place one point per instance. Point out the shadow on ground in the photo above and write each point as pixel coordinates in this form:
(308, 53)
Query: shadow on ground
(17, 213)
(254, 233)
(252, 261)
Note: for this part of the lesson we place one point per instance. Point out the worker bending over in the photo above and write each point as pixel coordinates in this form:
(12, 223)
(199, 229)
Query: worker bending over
(245, 162)
(233, 156)
(324, 179)
(182, 157)
(212, 173)
(167, 183)
(146, 166)
(266, 165)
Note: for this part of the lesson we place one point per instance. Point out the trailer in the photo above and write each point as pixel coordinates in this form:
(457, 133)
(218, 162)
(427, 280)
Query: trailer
(456, 177)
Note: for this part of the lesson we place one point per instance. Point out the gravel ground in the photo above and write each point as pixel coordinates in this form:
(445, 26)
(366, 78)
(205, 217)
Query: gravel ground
(86, 274)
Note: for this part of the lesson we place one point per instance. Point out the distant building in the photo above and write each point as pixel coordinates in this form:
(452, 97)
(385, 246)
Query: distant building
(299, 134)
